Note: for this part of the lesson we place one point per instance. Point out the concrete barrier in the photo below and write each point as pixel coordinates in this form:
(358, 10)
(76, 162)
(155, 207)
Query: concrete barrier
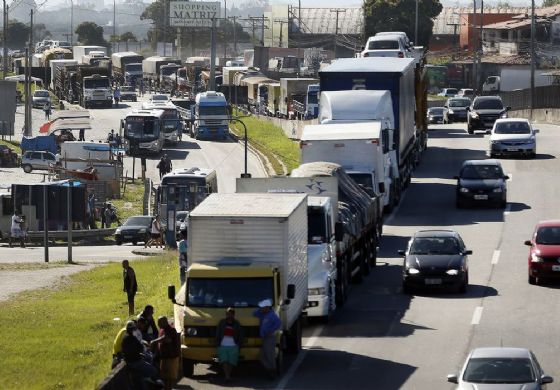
(118, 379)
(87, 234)
(539, 115)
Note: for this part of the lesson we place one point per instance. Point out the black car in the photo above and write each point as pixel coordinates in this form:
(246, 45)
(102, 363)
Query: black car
(135, 229)
(481, 182)
(456, 110)
(435, 114)
(484, 111)
(435, 258)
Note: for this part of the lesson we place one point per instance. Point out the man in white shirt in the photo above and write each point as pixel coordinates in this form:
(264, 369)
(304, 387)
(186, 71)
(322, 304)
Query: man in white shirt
(16, 229)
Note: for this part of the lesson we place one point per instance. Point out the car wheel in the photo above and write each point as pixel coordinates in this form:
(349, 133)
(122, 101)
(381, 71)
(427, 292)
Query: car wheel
(470, 130)
(27, 168)
(532, 155)
(134, 242)
(406, 288)
(532, 280)
(503, 204)
(464, 285)
(118, 241)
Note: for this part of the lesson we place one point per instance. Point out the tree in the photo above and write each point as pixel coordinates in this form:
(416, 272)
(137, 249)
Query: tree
(128, 37)
(40, 32)
(155, 13)
(399, 15)
(90, 33)
(17, 34)
(550, 3)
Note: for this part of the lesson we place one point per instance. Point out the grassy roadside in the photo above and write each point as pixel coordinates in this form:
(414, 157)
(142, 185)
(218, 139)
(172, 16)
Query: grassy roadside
(64, 336)
(271, 141)
(15, 145)
(132, 202)
(436, 97)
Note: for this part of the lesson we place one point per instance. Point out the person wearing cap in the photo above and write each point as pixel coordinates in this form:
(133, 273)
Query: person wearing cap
(269, 323)
(228, 339)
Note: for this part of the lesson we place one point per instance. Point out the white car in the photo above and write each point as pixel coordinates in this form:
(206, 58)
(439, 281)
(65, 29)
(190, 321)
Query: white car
(399, 33)
(501, 369)
(448, 92)
(159, 99)
(386, 46)
(513, 136)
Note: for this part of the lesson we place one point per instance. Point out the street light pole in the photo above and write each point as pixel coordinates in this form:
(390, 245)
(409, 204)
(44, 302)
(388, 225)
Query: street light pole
(5, 42)
(114, 20)
(245, 174)
(416, 25)
(533, 59)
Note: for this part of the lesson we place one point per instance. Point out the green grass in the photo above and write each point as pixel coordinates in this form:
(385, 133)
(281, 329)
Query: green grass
(132, 202)
(62, 338)
(271, 141)
(436, 97)
(14, 145)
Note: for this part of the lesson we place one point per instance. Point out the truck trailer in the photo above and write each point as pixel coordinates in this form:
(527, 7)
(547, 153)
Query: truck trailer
(290, 87)
(127, 66)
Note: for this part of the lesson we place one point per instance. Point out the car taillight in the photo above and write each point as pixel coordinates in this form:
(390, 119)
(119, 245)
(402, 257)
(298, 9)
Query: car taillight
(401, 54)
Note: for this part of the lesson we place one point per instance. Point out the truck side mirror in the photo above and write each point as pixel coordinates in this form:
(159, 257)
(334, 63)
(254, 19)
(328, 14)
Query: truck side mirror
(171, 292)
(291, 293)
(338, 231)
(382, 188)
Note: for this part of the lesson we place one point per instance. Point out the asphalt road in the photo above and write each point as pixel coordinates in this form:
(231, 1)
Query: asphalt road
(383, 339)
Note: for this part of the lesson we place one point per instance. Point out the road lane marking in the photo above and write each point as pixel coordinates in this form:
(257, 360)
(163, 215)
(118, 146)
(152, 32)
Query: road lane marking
(293, 368)
(495, 257)
(477, 315)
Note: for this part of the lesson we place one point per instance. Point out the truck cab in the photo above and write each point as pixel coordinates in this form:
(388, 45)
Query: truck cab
(492, 84)
(211, 116)
(97, 91)
(132, 72)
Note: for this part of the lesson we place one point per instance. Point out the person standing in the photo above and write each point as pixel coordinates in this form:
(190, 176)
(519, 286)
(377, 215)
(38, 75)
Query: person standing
(108, 214)
(162, 166)
(47, 110)
(229, 337)
(169, 346)
(15, 231)
(117, 96)
(91, 210)
(82, 136)
(130, 285)
(183, 264)
(168, 163)
(269, 324)
(141, 87)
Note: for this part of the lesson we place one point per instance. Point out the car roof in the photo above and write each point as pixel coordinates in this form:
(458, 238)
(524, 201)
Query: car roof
(550, 223)
(436, 233)
(487, 98)
(500, 352)
(482, 162)
(506, 120)
(439, 108)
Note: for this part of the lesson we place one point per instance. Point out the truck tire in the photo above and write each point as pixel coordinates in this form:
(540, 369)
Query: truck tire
(188, 368)
(341, 286)
(294, 337)
(365, 258)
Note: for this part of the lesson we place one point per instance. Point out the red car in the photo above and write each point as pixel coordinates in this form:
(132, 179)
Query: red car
(544, 255)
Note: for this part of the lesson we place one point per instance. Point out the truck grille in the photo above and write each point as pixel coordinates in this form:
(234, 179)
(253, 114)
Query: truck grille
(213, 122)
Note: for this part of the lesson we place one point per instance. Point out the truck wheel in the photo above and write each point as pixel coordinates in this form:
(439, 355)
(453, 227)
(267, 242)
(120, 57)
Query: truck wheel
(188, 368)
(365, 260)
(294, 337)
(341, 286)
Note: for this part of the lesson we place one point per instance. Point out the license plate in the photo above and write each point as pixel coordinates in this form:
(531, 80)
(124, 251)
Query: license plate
(432, 281)
(481, 197)
(511, 149)
(556, 267)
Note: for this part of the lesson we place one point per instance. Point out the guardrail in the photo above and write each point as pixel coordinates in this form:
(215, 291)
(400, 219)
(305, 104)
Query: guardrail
(87, 234)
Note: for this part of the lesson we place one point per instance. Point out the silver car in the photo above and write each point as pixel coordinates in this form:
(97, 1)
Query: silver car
(37, 160)
(501, 368)
(40, 98)
(513, 136)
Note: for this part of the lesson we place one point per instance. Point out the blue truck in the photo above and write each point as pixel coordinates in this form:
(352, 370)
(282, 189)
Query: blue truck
(211, 116)
(403, 80)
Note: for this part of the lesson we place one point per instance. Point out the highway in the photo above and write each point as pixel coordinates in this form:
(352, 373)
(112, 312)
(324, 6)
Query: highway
(384, 339)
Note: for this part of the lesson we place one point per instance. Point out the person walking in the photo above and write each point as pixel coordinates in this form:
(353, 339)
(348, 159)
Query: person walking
(162, 167)
(155, 232)
(130, 285)
(269, 323)
(183, 264)
(117, 96)
(229, 336)
(168, 163)
(47, 110)
(169, 347)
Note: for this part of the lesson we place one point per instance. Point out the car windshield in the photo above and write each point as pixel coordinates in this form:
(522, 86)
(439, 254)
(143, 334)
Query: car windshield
(488, 104)
(512, 128)
(317, 228)
(434, 246)
(436, 111)
(138, 221)
(499, 370)
(160, 98)
(459, 103)
(230, 292)
(212, 110)
(451, 91)
(383, 45)
(474, 172)
(181, 216)
(41, 94)
(549, 235)
(127, 89)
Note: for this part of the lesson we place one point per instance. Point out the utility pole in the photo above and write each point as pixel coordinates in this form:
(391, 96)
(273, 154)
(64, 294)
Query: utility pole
(337, 10)
(262, 32)
(164, 27)
(480, 53)
(416, 25)
(234, 34)
(212, 86)
(114, 20)
(28, 55)
(5, 42)
(71, 22)
(533, 58)
(282, 22)
(473, 75)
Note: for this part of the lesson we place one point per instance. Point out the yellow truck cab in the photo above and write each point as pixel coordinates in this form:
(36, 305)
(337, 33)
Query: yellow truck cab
(243, 248)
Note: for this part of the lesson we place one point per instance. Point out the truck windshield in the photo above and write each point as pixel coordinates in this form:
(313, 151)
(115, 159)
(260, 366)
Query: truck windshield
(316, 226)
(212, 110)
(235, 292)
(384, 45)
(171, 125)
(140, 127)
(363, 179)
(96, 83)
(312, 98)
(168, 71)
(134, 68)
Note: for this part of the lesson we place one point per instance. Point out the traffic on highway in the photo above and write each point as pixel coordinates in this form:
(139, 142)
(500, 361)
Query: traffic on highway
(415, 246)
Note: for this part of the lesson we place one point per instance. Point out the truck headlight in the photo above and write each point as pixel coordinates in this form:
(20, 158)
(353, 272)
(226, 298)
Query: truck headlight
(464, 190)
(474, 115)
(413, 271)
(191, 332)
(498, 189)
(317, 291)
(450, 111)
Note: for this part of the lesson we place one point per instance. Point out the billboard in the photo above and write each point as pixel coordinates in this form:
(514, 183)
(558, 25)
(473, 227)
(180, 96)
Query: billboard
(193, 13)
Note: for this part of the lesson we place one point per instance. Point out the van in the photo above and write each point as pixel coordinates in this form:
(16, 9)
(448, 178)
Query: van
(386, 46)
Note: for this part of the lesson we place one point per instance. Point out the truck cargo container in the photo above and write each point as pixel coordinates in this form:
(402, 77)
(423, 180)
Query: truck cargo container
(127, 66)
(151, 68)
(289, 87)
(80, 51)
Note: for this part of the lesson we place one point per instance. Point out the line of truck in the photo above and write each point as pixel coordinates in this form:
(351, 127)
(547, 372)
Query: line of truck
(302, 240)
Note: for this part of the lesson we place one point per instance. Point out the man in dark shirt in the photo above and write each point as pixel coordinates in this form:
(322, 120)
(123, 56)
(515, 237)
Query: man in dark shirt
(130, 286)
(132, 350)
